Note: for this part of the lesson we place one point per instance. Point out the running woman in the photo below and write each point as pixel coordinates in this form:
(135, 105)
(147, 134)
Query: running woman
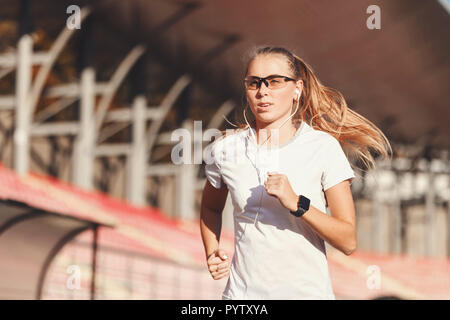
(283, 168)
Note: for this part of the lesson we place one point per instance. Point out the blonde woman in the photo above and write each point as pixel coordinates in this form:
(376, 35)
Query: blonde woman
(288, 165)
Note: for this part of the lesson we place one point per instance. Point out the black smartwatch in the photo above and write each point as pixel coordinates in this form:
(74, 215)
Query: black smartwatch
(303, 206)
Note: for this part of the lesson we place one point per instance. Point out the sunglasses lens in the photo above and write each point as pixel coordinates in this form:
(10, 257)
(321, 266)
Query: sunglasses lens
(272, 82)
(276, 82)
(251, 84)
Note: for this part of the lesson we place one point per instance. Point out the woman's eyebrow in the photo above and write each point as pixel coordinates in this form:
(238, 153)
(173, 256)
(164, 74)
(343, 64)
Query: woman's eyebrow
(271, 75)
(252, 77)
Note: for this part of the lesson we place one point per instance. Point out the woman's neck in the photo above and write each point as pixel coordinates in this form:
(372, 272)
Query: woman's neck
(271, 134)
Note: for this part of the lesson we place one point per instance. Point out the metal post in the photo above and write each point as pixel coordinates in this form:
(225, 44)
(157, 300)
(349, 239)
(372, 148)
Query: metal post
(379, 217)
(396, 220)
(185, 186)
(430, 213)
(23, 117)
(84, 144)
(94, 261)
(83, 154)
(136, 161)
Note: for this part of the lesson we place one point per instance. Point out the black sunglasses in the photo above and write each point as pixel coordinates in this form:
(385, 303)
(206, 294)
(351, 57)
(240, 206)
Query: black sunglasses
(272, 82)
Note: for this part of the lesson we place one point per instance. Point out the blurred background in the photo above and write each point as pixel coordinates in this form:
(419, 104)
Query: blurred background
(91, 205)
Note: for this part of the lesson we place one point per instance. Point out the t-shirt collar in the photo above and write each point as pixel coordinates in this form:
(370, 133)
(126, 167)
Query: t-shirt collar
(302, 127)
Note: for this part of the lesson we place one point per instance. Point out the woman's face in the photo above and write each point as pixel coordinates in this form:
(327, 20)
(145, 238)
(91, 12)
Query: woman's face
(280, 99)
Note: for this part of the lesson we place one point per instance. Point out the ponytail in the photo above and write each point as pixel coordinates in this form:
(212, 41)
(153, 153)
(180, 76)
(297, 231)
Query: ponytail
(325, 109)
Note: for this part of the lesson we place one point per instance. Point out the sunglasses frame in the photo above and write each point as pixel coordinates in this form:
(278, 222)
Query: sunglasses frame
(261, 80)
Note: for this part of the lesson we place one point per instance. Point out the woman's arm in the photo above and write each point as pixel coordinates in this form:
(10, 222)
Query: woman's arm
(339, 229)
(212, 204)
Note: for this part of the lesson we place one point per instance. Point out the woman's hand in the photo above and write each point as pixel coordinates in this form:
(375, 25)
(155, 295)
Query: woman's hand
(278, 185)
(218, 264)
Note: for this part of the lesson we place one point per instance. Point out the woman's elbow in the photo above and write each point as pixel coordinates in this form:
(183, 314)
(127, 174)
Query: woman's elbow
(350, 250)
(350, 247)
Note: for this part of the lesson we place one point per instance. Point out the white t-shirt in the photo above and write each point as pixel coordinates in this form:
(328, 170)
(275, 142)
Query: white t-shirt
(277, 255)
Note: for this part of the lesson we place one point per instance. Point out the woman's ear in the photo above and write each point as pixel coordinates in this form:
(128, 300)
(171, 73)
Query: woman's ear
(299, 85)
(299, 89)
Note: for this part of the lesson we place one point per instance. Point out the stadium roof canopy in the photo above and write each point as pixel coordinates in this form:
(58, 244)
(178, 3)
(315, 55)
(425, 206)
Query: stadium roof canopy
(397, 76)
(39, 215)
(35, 224)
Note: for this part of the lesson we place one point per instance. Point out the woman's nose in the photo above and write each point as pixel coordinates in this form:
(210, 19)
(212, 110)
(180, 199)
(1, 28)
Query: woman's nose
(263, 88)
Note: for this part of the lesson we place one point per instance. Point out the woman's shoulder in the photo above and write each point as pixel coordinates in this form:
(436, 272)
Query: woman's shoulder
(225, 145)
(229, 140)
(321, 141)
(229, 135)
(328, 143)
(318, 136)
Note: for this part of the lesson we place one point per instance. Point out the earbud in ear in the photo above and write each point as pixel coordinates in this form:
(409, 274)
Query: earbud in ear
(297, 91)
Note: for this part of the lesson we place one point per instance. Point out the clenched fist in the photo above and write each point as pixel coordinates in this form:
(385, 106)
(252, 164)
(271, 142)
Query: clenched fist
(218, 264)
(278, 185)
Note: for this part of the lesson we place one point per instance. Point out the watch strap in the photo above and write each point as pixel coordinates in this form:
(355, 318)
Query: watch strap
(302, 206)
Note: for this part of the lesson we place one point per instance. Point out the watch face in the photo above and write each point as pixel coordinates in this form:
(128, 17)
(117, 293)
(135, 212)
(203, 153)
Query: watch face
(304, 203)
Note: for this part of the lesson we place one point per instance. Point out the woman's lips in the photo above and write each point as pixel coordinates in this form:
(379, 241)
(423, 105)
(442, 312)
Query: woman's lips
(264, 106)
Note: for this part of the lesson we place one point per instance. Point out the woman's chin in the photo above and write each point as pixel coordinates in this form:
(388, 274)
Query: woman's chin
(266, 118)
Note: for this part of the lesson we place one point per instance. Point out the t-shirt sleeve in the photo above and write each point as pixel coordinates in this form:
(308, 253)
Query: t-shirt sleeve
(212, 169)
(337, 167)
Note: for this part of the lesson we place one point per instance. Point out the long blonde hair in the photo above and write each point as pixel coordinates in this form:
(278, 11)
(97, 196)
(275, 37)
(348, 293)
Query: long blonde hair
(325, 109)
